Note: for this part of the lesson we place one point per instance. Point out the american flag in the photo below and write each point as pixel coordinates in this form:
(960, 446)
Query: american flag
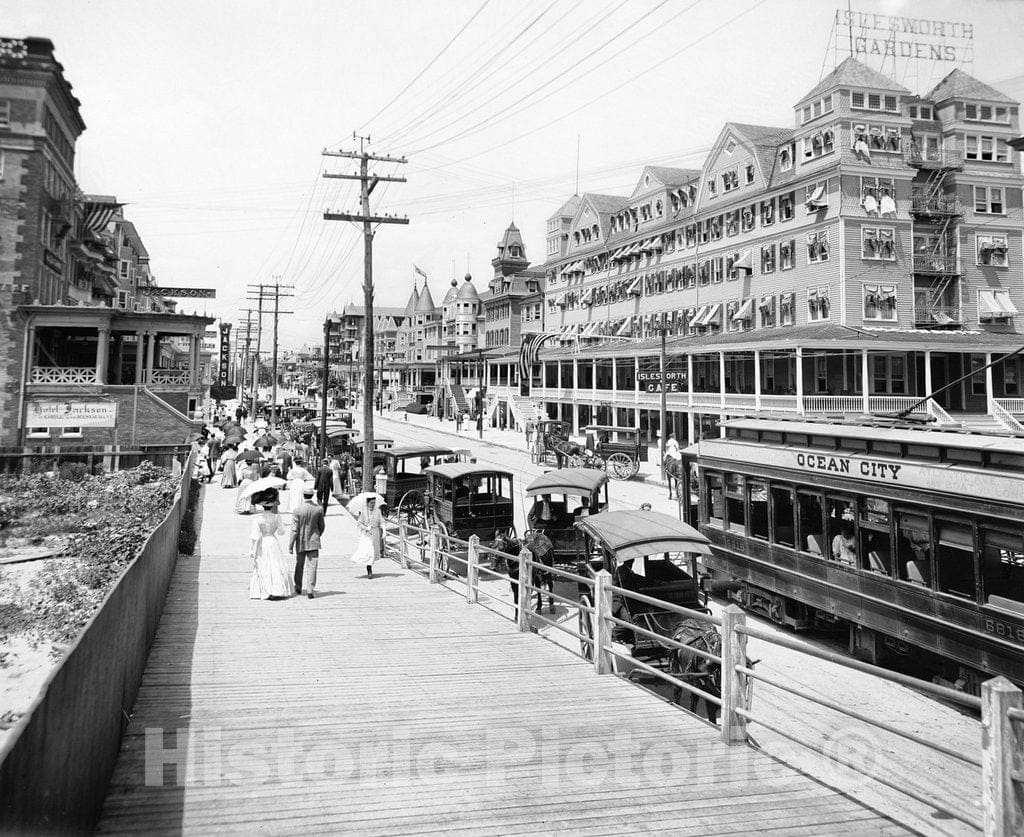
(529, 351)
(420, 272)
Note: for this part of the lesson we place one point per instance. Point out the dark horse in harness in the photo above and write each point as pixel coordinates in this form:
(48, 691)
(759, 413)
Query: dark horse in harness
(695, 669)
(542, 552)
(673, 474)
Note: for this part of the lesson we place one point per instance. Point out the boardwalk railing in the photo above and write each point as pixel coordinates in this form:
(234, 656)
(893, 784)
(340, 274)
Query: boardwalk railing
(55, 767)
(97, 459)
(1002, 711)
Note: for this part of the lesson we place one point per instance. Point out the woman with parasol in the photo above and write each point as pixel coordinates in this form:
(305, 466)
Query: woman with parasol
(229, 478)
(271, 578)
(365, 508)
(250, 472)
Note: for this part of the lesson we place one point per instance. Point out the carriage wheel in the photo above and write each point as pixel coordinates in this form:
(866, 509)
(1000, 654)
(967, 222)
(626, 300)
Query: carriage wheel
(410, 508)
(620, 467)
(586, 625)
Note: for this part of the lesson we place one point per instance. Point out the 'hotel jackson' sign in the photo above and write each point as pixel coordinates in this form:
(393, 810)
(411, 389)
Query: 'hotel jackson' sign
(901, 36)
(71, 414)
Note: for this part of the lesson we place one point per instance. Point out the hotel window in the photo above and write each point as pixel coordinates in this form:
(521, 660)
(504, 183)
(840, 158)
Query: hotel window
(715, 228)
(889, 374)
(38, 432)
(71, 432)
(988, 200)
(818, 305)
(986, 113)
(730, 181)
(991, 149)
(703, 231)
(817, 247)
(716, 269)
(768, 258)
(786, 203)
(992, 250)
(787, 254)
(786, 155)
(768, 212)
(874, 101)
(749, 173)
(878, 195)
(747, 218)
(5, 113)
(732, 222)
(880, 302)
(703, 273)
(787, 309)
(819, 144)
(712, 188)
(878, 243)
(766, 308)
(690, 234)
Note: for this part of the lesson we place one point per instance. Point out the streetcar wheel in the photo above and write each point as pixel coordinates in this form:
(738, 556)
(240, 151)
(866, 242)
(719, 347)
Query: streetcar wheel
(620, 467)
(586, 626)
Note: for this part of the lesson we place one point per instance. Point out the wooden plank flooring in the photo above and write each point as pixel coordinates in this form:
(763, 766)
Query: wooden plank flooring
(390, 706)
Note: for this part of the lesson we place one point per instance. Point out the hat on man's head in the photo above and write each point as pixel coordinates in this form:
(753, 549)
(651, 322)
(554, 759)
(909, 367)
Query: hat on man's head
(308, 492)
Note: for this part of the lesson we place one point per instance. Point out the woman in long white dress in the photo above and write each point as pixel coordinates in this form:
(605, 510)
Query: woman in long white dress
(250, 473)
(271, 578)
(297, 477)
(229, 479)
(371, 525)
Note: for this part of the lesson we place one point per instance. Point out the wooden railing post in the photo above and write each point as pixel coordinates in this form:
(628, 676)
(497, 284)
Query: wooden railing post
(1002, 759)
(603, 661)
(434, 550)
(472, 570)
(525, 594)
(403, 550)
(734, 653)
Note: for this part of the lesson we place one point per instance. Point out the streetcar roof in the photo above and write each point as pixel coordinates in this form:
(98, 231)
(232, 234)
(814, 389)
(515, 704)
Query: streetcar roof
(635, 534)
(454, 470)
(406, 451)
(957, 438)
(575, 481)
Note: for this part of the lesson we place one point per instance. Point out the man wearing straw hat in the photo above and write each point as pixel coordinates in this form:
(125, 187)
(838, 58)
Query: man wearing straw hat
(307, 527)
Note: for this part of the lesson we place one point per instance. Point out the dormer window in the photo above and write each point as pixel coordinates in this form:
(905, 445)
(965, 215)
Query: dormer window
(874, 101)
(986, 113)
(712, 188)
(786, 154)
(730, 181)
(749, 173)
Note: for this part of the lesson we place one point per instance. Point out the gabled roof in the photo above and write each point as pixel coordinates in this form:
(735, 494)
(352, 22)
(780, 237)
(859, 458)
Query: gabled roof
(853, 73)
(666, 177)
(425, 304)
(959, 85)
(764, 139)
(568, 209)
(606, 203)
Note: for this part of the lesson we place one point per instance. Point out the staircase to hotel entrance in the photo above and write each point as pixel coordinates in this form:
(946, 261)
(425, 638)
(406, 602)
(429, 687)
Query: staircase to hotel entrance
(458, 396)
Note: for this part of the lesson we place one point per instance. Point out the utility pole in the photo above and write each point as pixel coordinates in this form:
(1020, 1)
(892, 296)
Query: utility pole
(323, 393)
(259, 338)
(664, 412)
(245, 353)
(367, 184)
(268, 291)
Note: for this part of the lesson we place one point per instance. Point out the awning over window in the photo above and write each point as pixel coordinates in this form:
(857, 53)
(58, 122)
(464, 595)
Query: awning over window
(698, 315)
(588, 330)
(817, 200)
(634, 287)
(588, 297)
(626, 328)
(745, 312)
(560, 301)
(713, 314)
(743, 262)
(767, 302)
(995, 304)
(618, 254)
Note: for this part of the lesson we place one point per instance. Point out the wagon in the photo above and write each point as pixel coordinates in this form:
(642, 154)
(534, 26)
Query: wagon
(340, 439)
(560, 498)
(406, 478)
(465, 499)
(548, 434)
(656, 556)
(621, 448)
(380, 445)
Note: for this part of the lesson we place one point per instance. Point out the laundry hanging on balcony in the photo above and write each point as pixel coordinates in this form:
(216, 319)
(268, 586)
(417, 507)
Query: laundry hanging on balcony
(887, 206)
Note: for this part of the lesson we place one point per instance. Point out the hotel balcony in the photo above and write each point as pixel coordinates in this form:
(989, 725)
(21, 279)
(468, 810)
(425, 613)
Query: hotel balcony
(939, 206)
(936, 265)
(950, 156)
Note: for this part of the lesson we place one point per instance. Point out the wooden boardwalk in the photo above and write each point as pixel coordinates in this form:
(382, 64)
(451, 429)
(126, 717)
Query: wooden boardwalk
(391, 706)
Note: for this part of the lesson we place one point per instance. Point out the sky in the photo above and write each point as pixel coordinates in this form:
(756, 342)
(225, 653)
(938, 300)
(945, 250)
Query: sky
(208, 118)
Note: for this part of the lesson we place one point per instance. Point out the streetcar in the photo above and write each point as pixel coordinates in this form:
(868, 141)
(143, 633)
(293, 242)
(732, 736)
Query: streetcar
(912, 537)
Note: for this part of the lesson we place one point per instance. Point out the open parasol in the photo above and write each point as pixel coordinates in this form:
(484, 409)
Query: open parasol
(263, 485)
(249, 456)
(265, 441)
(358, 503)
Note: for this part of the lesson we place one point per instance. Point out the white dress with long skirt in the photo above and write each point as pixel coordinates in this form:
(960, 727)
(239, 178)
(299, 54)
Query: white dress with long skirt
(297, 478)
(251, 473)
(270, 573)
(368, 546)
(229, 479)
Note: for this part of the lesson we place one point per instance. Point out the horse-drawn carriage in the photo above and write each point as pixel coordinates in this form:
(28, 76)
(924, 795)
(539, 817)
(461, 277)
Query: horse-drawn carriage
(465, 499)
(620, 448)
(548, 435)
(651, 554)
(560, 498)
(405, 469)
(340, 439)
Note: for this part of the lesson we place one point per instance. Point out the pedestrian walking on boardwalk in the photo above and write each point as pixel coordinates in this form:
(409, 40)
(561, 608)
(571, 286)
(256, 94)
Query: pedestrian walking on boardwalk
(229, 477)
(324, 484)
(371, 524)
(270, 576)
(297, 478)
(307, 527)
(250, 473)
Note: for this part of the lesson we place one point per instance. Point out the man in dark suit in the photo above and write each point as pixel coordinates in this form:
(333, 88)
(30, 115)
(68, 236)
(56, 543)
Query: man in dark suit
(323, 484)
(307, 527)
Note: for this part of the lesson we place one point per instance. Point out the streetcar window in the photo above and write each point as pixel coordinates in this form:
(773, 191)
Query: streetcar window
(714, 497)
(841, 534)
(812, 514)
(758, 494)
(954, 558)
(1002, 567)
(782, 516)
(734, 502)
(913, 546)
(875, 545)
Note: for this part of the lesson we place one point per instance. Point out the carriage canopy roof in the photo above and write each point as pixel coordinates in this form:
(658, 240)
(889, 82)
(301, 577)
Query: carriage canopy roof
(377, 440)
(408, 451)
(635, 534)
(335, 432)
(578, 482)
(609, 428)
(454, 470)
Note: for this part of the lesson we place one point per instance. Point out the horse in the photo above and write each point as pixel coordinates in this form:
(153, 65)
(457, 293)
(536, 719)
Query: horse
(564, 449)
(696, 670)
(673, 474)
(511, 546)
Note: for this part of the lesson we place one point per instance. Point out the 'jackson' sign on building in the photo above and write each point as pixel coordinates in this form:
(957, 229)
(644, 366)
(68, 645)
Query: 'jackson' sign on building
(900, 36)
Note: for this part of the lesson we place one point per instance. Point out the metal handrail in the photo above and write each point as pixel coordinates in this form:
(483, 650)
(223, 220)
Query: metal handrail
(852, 713)
(850, 662)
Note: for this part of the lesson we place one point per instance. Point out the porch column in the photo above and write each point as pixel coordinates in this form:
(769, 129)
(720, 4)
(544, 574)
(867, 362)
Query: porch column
(721, 379)
(928, 377)
(799, 375)
(865, 375)
(615, 391)
(559, 378)
(193, 359)
(989, 391)
(575, 418)
(102, 352)
(757, 379)
(689, 382)
(690, 427)
(636, 386)
(140, 338)
(118, 358)
(31, 338)
(593, 380)
(150, 350)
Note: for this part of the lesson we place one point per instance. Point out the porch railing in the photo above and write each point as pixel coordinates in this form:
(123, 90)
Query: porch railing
(1011, 405)
(936, 264)
(63, 375)
(833, 404)
(1004, 417)
(779, 403)
(170, 377)
(936, 411)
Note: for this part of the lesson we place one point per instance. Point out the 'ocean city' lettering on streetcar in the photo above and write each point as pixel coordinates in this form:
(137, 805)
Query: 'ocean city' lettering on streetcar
(843, 465)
